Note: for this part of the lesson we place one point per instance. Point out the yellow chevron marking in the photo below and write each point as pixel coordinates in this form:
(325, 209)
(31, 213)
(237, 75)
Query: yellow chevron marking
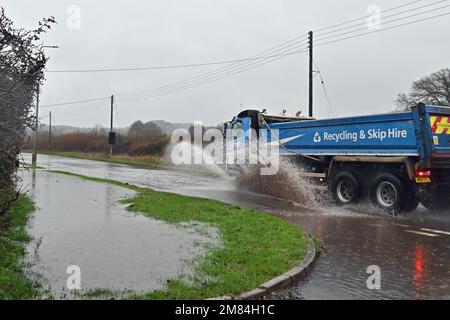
(441, 127)
(432, 121)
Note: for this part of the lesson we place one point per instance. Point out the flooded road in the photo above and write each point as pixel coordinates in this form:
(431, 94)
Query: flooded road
(82, 223)
(414, 261)
(412, 252)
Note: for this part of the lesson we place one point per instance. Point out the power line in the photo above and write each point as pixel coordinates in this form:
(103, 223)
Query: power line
(73, 102)
(384, 17)
(211, 77)
(386, 22)
(162, 67)
(384, 29)
(206, 81)
(279, 50)
(366, 16)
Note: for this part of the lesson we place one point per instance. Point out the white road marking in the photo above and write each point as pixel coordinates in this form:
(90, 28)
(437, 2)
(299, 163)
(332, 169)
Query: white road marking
(436, 231)
(422, 233)
(401, 225)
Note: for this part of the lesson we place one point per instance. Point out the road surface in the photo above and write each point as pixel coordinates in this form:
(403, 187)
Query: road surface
(412, 252)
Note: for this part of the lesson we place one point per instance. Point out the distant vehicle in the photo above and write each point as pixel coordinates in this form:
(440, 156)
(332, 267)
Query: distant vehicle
(397, 160)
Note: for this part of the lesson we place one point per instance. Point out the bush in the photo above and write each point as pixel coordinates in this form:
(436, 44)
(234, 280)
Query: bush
(22, 62)
(93, 142)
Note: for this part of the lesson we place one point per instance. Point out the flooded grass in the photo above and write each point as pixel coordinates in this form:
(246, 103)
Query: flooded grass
(13, 240)
(256, 246)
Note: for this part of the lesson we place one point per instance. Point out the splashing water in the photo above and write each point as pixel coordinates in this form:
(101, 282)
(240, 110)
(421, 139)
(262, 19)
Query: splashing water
(208, 164)
(288, 183)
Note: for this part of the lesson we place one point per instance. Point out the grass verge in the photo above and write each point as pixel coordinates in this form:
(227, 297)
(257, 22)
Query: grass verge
(256, 246)
(149, 162)
(13, 240)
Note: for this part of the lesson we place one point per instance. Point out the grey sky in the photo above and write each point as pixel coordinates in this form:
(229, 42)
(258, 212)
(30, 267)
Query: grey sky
(362, 75)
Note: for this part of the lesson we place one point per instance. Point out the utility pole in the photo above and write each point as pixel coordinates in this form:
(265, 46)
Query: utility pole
(36, 128)
(111, 132)
(50, 131)
(311, 73)
(36, 125)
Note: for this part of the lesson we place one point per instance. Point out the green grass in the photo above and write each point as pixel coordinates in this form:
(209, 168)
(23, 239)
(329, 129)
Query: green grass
(256, 246)
(13, 240)
(142, 162)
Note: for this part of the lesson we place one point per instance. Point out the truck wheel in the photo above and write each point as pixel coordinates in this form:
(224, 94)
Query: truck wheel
(387, 193)
(345, 188)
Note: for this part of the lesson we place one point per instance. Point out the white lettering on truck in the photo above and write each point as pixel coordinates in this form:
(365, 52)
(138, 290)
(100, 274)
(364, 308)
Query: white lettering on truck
(344, 135)
(372, 134)
(393, 133)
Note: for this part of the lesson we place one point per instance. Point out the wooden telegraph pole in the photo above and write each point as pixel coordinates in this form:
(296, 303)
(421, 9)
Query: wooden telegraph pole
(311, 75)
(112, 135)
(50, 131)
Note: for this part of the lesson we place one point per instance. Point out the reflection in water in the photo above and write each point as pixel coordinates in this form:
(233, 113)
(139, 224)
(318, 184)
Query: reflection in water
(419, 268)
(412, 266)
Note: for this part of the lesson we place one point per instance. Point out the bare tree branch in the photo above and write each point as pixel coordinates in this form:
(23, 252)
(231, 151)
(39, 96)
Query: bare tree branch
(431, 89)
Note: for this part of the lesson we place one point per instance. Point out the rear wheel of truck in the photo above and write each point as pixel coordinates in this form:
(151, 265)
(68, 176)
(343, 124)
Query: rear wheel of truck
(345, 188)
(387, 192)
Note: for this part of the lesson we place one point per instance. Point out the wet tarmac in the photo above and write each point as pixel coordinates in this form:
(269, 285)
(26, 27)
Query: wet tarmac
(412, 252)
(82, 223)
(414, 261)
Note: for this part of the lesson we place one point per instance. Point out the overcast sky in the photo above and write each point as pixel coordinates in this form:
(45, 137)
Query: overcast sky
(362, 75)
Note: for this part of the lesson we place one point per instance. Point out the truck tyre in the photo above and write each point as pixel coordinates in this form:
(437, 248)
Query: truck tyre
(387, 192)
(345, 188)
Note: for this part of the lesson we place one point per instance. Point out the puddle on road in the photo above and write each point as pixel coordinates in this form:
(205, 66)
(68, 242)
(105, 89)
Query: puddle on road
(82, 223)
(412, 266)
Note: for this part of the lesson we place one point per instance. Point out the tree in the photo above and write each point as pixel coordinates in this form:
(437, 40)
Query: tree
(432, 89)
(136, 129)
(149, 129)
(22, 64)
(152, 129)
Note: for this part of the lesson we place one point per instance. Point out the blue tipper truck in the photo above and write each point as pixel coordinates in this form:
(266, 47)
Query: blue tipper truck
(397, 160)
